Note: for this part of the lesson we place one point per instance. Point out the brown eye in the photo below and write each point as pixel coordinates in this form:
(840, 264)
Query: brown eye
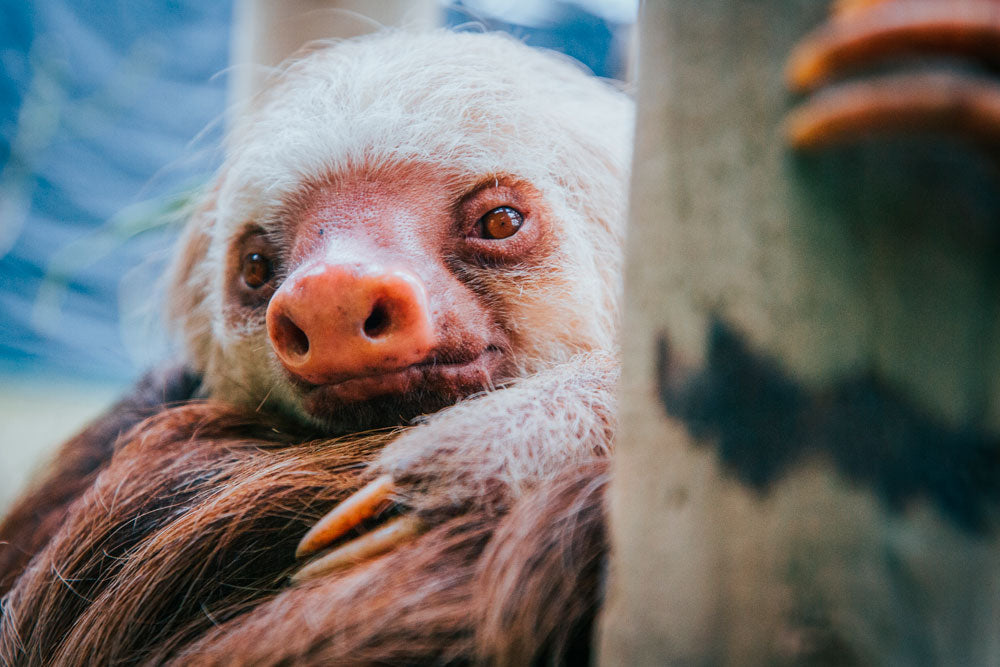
(500, 223)
(256, 270)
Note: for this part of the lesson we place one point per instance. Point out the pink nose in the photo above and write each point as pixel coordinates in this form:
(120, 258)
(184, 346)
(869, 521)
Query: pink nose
(333, 322)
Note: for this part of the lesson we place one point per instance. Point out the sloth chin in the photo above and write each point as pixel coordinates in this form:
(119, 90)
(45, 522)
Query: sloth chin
(399, 396)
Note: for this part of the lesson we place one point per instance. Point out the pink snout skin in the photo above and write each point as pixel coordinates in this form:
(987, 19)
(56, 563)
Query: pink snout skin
(333, 322)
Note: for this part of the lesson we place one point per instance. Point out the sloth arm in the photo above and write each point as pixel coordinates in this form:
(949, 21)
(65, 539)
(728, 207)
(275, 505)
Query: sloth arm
(481, 454)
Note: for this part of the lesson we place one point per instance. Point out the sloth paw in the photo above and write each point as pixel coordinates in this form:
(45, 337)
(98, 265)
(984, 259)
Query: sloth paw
(364, 504)
(898, 66)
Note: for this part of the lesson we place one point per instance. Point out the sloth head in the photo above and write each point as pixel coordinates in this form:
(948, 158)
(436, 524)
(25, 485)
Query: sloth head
(403, 220)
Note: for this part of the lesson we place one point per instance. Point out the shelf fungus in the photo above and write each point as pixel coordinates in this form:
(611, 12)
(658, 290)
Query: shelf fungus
(898, 66)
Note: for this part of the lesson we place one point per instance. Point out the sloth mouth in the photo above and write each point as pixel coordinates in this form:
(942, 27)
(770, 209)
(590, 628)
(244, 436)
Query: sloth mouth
(437, 380)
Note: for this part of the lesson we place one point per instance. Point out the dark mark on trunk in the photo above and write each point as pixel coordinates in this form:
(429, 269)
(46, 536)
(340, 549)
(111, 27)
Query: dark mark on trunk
(764, 422)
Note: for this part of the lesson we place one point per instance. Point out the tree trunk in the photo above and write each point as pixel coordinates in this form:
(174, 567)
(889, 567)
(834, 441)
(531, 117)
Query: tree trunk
(811, 405)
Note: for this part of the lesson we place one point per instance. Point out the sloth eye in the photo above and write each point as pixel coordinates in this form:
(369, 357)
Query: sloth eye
(256, 270)
(500, 223)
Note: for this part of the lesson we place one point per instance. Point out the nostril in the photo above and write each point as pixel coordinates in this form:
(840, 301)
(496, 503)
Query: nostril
(377, 322)
(291, 338)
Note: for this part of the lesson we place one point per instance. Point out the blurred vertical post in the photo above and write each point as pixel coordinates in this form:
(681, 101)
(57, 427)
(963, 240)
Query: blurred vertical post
(268, 31)
(807, 468)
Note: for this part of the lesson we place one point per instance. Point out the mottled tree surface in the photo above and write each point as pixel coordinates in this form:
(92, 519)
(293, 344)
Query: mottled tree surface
(811, 403)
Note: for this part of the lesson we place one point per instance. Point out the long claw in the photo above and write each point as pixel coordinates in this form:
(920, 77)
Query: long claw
(959, 104)
(363, 504)
(873, 32)
(379, 541)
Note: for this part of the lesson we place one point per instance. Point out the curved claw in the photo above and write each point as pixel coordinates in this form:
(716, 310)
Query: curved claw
(898, 103)
(874, 31)
(379, 541)
(363, 504)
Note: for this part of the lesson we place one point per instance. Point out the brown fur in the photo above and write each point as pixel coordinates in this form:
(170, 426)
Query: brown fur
(40, 511)
(181, 547)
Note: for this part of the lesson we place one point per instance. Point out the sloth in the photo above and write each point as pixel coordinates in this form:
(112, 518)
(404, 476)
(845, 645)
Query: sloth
(397, 306)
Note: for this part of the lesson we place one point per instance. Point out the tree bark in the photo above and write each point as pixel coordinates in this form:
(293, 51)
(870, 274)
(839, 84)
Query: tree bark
(811, 392)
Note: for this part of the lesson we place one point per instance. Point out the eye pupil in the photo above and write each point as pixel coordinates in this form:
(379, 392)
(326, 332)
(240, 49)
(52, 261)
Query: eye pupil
(256, 270)
(501, 223)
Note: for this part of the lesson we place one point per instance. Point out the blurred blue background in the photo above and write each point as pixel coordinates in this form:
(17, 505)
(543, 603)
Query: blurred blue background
(100, 106)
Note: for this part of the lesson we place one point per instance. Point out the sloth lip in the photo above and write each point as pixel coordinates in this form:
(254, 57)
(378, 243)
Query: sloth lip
(438, 374)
